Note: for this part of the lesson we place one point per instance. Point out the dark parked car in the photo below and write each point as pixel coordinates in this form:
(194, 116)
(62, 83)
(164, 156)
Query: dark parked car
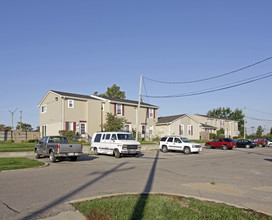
(246, 143)
(224, 143)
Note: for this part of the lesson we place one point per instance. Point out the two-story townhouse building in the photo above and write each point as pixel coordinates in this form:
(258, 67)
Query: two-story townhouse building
(85, 114)
(230, 126)
(178, 125)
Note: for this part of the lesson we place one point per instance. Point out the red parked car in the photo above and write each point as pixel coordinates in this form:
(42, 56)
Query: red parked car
(261, 142)
(224, 143)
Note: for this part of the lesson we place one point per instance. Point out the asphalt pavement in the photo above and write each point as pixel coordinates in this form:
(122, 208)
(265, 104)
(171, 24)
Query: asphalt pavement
(239, 177)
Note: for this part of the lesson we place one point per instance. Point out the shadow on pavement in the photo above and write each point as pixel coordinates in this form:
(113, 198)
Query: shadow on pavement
(77, 190)
(139, 208)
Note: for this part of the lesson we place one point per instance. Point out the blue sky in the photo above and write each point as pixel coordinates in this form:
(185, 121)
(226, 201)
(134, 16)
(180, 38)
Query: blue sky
(86, 46)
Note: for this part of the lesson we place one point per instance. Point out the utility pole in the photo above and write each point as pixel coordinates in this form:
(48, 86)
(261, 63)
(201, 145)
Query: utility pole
(138, 109)
(21, 116)
(245, 124)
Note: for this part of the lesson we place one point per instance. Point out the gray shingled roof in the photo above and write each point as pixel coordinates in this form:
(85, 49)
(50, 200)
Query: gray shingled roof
(168, 119)
(73, 95)
(208, 126)
(93, 98)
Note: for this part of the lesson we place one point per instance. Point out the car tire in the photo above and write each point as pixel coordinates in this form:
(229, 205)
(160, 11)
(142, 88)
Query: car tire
(224, 147)
(37, 156)
(52, 157)
(164, 149)
(247, 146)
(95, 151)
(74, 158)
(117, 153)
(260, 145)
(187, 150)
(208, 146)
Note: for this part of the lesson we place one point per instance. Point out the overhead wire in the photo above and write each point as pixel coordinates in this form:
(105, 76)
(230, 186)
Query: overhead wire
(227, 86)
(213, 77)
(258, 119)
(259, 111)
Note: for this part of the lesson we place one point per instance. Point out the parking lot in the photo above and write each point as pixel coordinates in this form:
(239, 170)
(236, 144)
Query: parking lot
(241, 177)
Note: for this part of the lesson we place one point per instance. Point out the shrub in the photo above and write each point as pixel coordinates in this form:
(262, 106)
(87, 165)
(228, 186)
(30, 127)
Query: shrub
(9, 141)
(212, 136)
(68, 134)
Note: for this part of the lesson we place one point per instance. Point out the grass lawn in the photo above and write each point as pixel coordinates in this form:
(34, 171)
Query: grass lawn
(14, 163)
(161, 207)
(16, 147)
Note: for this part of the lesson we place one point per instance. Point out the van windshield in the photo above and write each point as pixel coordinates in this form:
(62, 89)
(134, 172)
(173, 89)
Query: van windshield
(125, 137)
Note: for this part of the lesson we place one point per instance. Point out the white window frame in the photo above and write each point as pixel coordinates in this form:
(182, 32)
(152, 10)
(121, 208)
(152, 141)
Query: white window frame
(151, 113)
(121, 109)
(44, 108)
(189, 129)
(72, 102)
(80, 131)
(181, 129)
(70, 126)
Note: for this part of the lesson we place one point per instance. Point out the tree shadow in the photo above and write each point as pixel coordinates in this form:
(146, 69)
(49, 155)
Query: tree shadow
(252, 152)
(62, 199)
(140, 206)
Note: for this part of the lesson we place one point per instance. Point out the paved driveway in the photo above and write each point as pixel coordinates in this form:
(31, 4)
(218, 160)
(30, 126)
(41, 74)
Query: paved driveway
(242, 177)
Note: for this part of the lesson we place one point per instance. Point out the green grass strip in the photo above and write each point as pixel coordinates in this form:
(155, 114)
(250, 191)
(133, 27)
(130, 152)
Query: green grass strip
(161, 207)
(13, 163)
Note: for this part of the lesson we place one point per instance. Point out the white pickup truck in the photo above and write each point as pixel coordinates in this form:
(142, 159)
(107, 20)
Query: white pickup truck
(56, 147)
(179, 144)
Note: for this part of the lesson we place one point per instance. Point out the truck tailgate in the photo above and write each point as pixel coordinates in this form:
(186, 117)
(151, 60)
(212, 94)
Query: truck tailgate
(70, 148)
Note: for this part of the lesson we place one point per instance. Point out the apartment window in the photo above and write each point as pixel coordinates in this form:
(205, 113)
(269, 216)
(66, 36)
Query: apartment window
(70, 126)
(190, 130)
(222, 123)
(70, 103)
(43, 130)
(44, 108)
(119, 109)
(151, 113)
(181, 129)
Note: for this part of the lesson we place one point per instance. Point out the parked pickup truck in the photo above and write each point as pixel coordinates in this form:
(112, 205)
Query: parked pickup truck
(56, 147)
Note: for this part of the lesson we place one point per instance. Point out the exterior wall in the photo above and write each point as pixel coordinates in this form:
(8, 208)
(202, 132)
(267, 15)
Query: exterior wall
(172, 129)
(53, 112)
(94, 120)
(230, 126)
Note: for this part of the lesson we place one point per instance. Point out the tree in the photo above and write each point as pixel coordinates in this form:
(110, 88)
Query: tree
(4, 127)
(236, 115)
(113, 123)
(271, 131)
(114, 92)
(24, 126)
(221, 133)
(260, 131)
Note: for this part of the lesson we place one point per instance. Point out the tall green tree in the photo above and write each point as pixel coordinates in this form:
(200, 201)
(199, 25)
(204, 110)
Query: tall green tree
(114, 92)
(259, 131)
(113, 123)
(271, 131)
(24, 126)
(227, 113)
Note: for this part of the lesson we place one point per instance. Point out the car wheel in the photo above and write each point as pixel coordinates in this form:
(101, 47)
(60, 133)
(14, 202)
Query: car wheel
(117, 153)
(74, 158)
(260, 145)
(164, 149)
(187, 150)
(208, 146)
(37, 156)
(247, 146)
(52, 157)
(224, 147)
(96, 151)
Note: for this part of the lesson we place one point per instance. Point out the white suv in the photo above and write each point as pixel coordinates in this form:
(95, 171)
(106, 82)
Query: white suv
(115, 143)
(179, 144)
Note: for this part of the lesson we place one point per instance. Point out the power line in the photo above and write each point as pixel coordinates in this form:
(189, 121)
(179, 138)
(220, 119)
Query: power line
(259, 111)
(209, 78)
(228, 86)
(258, 119)
(145, 91)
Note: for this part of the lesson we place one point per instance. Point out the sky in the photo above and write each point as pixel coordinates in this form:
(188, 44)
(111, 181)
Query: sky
(84, 46)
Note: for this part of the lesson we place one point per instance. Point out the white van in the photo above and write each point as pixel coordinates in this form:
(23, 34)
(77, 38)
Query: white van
(115, 143)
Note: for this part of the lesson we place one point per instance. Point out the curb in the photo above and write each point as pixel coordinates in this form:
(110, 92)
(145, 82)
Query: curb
(167, 194)
(45, 165)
